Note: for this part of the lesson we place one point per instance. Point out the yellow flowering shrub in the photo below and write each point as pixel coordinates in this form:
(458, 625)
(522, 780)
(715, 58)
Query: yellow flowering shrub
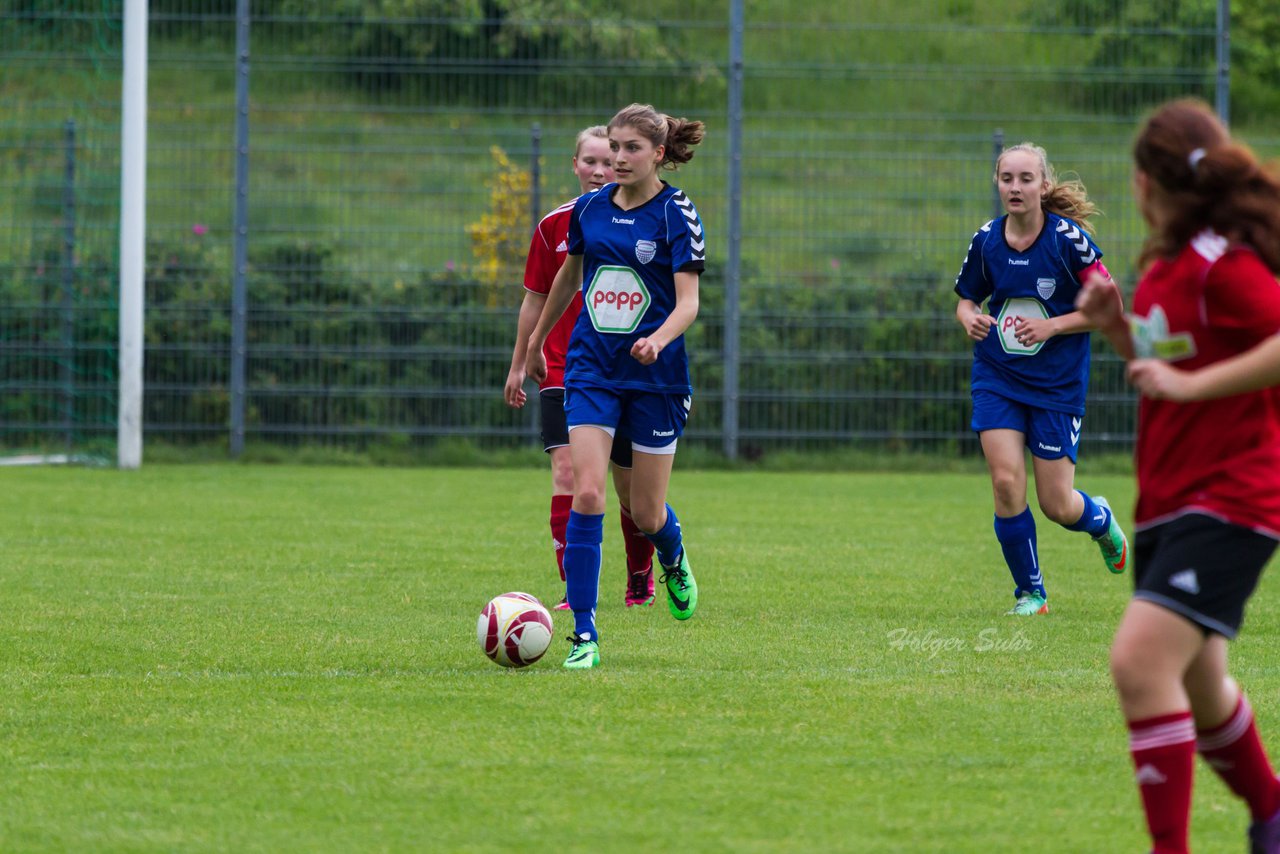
(500, 238)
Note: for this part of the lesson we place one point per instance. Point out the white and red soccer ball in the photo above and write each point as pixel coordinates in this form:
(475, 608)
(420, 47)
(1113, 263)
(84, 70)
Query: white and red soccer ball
(514, 629)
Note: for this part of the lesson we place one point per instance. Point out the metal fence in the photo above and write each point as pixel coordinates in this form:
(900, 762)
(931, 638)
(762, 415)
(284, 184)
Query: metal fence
(395, 165)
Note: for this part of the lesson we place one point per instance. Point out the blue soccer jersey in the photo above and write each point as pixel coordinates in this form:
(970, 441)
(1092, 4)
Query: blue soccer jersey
(1041, 282)
(630, 259)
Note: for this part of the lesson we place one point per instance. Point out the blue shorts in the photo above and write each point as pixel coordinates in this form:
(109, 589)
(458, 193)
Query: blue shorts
(1050, 435)
(653, 420)
(555, 430)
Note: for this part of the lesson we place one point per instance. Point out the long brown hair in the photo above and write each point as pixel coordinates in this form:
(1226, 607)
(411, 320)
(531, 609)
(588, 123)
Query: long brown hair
(1209, 181)
(1066, 197)
(678, 135)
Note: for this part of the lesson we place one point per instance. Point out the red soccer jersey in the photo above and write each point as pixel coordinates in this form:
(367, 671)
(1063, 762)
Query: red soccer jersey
(1222, 457)
(547, 251)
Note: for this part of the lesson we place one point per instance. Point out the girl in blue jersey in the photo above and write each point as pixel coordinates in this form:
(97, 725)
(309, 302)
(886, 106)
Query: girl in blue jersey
(637, 248)
(1031, 361)
(593, 167)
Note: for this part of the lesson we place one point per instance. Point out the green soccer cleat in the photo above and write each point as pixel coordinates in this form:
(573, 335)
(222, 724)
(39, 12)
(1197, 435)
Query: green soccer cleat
(1113, 544)
(584, 655)
(682, 590)
(1029, 604)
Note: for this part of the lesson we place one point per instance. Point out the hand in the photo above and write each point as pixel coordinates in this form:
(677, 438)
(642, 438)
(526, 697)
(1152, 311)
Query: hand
(978, 325)
(1029, 331)
(1099, 301)
(1160, 381)
(513, 391)
(535, 364)
(645, 351)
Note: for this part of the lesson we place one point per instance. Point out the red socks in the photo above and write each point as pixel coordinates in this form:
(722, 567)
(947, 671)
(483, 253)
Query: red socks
(1164, 752)
(639, 547)
(1234, 750)
(560, 506)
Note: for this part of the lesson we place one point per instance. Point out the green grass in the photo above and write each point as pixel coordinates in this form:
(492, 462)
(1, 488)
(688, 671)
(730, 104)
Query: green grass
(283, 658)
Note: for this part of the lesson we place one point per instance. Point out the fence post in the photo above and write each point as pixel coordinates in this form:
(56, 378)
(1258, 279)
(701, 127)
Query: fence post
(997, 146)
(733, 263)
(535, 216)
(535, 176)
(1222, 85)
(68, 284)
(240, 233)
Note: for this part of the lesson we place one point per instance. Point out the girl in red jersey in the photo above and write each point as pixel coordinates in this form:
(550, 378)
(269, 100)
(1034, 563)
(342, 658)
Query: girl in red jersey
(593, 167)
(1204, 352)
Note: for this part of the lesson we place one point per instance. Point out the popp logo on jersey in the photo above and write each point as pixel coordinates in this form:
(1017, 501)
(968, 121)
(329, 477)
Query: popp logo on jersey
(616, 300)
(1010, 313)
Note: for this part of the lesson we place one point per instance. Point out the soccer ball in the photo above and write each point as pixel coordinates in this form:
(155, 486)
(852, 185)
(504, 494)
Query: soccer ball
(514, 629)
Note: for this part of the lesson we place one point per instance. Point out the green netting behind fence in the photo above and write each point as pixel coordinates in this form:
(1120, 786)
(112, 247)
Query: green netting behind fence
(380, 142)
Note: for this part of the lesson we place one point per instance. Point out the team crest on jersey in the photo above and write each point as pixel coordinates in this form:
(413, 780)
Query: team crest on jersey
(1046, 287)
(645, 250)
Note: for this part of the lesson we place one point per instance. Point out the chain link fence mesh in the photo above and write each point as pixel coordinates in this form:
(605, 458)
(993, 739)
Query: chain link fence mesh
(397, 162)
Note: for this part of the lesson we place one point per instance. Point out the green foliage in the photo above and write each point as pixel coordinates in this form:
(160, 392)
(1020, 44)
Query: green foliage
(1255, 54)
(331, 350)
(1144, 37)
(559, 45)
(59, 25)
(380, 356)
(856, 126)
(499, 238)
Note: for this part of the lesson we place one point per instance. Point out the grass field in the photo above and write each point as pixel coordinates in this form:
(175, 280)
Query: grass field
(284, 659)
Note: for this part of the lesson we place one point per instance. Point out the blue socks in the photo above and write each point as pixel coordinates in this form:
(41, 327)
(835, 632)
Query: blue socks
(667, 541)
(1094, 521)
(582, 537)
(1017, 536)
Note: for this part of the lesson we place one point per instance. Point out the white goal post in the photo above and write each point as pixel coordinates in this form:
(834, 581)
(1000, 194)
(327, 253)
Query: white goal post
(133, 221)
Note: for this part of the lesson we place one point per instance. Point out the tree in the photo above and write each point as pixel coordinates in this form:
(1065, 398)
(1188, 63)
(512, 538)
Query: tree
(1146, 51)
(570, 51)
(1255, 54)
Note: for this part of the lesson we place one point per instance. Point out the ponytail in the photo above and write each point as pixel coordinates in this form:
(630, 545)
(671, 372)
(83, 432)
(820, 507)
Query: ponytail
(1207, 180)
(677, 136)
(682, 135)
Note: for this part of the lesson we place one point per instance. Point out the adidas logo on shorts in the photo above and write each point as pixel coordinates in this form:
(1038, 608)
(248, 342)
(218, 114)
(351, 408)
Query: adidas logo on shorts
(1186, 581)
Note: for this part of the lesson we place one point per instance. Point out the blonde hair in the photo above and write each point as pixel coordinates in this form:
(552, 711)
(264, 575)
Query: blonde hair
(678, 136)
(597, 131)
(1065, 197)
